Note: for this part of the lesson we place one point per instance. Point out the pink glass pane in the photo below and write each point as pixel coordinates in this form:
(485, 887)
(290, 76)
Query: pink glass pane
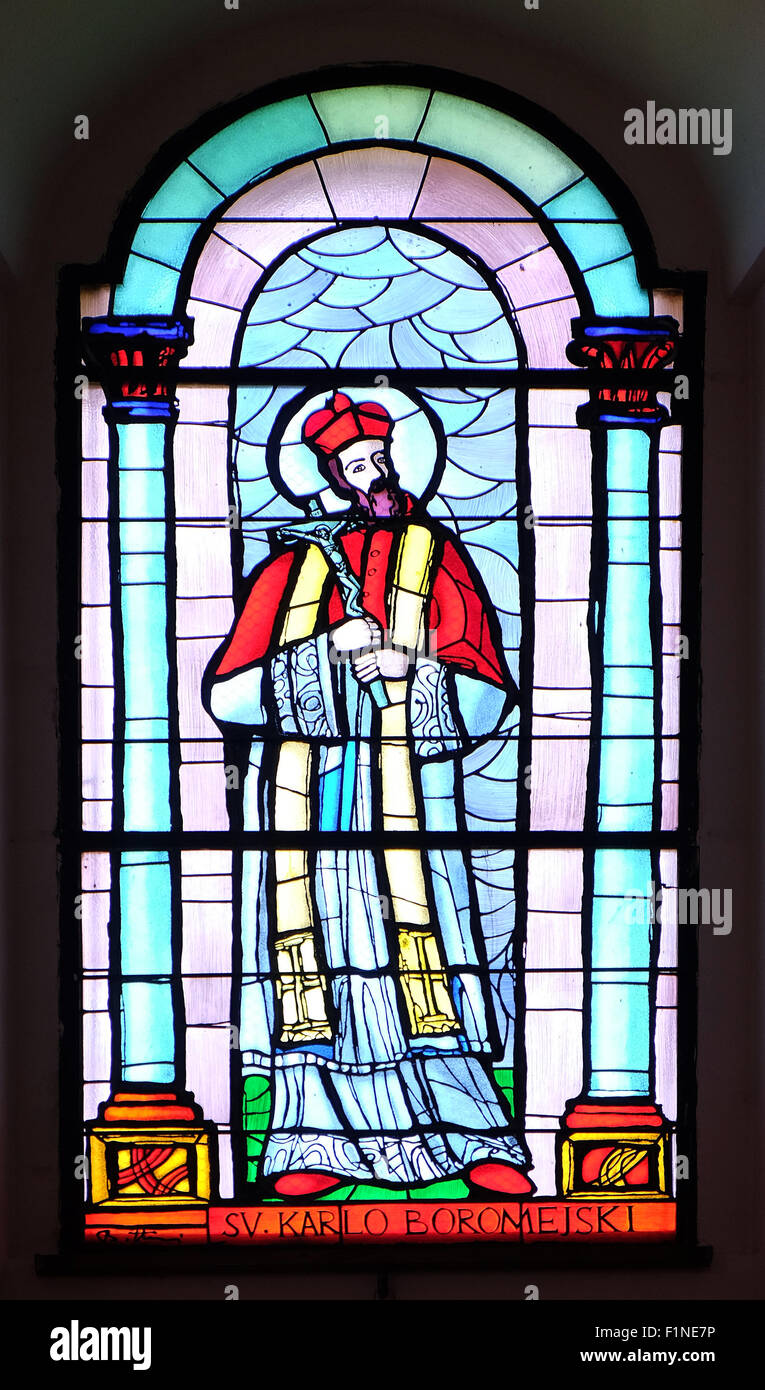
(208, 1062)
(203, 795)
(535, 279)
(96, 646)
(214, 329)
(278, 197)
(193, 656)
(266, 240)
(453, 190)
(95, 562)
(96, 1046)
(669, 484)
(201, 453)
(385, 180)
(496, 243)
(547, 332)
(95, 492)
(206, 946)
(95, 432)
(561, 472)
(224, 274)
(203, 560)
(97, 712)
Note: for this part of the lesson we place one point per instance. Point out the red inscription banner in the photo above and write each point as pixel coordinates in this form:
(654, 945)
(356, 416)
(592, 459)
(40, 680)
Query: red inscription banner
(395, 1222)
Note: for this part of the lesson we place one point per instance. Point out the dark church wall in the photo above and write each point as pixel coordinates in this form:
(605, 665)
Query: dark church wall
(143, 72)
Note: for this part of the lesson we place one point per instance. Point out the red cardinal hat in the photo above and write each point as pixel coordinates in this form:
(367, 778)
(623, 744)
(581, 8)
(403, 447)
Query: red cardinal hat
(342, 422)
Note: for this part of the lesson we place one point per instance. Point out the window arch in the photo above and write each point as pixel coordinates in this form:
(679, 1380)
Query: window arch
(393, 940)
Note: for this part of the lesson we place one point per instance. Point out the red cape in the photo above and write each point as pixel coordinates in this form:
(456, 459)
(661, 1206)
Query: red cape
(455, 612)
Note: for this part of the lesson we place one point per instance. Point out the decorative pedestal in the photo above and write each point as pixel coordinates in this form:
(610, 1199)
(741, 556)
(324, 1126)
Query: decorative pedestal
(150, 1147)
(617, 1149)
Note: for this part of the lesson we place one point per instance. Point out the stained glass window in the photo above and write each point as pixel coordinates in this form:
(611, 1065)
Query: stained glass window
(377, 820)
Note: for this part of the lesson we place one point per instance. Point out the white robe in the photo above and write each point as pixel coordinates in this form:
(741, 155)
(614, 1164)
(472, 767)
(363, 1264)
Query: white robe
(373, 1104)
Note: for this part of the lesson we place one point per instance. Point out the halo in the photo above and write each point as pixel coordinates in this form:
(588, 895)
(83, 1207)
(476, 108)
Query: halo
(417, 447)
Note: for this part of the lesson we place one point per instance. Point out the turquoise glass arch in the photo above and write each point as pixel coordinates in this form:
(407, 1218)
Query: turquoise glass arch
(258, 144)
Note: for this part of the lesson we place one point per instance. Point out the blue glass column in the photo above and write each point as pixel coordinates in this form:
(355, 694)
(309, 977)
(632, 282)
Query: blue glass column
(614, 1139)
(149, 1142)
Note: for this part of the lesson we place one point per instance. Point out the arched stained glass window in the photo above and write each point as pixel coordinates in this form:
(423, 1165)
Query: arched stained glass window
(378, 823)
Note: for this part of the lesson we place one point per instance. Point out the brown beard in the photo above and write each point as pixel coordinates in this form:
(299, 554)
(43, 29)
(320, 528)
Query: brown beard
(384, 499)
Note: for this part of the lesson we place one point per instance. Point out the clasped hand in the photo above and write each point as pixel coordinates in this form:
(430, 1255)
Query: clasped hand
(360, 641)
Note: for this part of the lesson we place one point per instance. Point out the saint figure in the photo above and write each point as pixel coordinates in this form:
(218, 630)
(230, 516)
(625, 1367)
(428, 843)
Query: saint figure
(365, 662)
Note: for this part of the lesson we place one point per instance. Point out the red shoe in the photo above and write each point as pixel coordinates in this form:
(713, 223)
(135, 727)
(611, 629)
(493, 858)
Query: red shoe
(305, 1184)
(501, 1177)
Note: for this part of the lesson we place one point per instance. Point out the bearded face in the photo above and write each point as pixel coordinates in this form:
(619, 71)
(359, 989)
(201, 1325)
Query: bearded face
(365, 470)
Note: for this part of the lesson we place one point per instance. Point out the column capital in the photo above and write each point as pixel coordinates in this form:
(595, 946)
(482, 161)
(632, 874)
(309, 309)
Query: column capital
(137, 360)
(620, 345)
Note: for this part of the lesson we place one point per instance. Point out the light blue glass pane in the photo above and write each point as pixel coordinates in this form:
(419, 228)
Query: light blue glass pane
(183, 194)
(330, 786)
(446, 265)
(139, 569)
(480, 705)
(329, 347)
(147, 288)
(498, 413)
(382, 260)
(593, 243)
(165, 241)
(582, 200)
(326, 318)
(627, 503)
(626, 780)
(349, 786)
(620, 1031)
(620, 933)
(627, 639)
(144, 622)
(406, 295)
(142, 493)
(455, 415)
(628, 542)
(258, 141)
(373, 349)
(621, 715)
(142, 535)
(145, 941)
(627, 464)
(147, 1030)
(463, 311)
(146, 786)
(615, 289)
(351, 291)
(523, 156)
(141, 445)
(620, 1083)
(624, 974)
(628, 680)
(441, 341)
(143, 728)
(621, 871)
(274, 303)
(268, 341)
(494, 344)
(353, 113)
(624, 818)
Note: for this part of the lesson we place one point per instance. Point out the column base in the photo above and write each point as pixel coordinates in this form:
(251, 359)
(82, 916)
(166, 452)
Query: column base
(150, 1147)
(614, 1148)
